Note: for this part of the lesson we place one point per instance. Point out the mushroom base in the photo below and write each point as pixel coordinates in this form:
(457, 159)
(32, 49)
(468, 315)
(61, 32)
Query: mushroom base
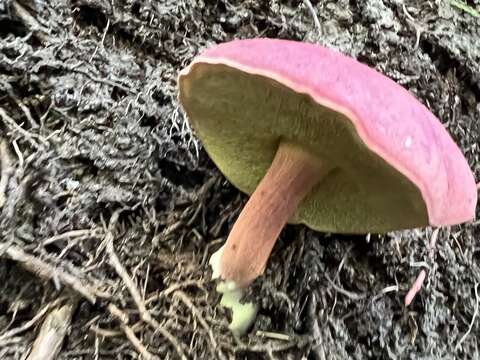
(291, 176)
(243, 314)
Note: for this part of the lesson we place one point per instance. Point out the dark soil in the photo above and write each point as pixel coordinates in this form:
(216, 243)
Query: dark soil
(107, 193)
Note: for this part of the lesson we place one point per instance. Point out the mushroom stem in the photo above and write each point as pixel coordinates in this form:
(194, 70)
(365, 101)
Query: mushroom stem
(291, 176)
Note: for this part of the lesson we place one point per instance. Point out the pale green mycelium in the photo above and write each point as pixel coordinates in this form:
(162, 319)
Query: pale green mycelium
(243, 315)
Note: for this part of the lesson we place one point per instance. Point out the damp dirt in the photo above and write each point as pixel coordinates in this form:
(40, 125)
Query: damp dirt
(110, 208)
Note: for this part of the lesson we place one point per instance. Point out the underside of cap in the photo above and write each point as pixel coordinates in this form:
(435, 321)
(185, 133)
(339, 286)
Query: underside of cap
(242, 125)
(242, 110)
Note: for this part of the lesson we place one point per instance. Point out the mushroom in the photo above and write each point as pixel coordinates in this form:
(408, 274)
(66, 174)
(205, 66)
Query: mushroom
(320, 139)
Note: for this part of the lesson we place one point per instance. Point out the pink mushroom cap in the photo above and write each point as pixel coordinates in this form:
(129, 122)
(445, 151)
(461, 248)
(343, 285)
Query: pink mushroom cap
(330, 89)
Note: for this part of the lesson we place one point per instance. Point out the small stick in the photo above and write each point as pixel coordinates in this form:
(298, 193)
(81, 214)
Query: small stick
(52, 333)
(129, 333)
(49, 272)
(467, 8)
(415, 288)
(271, 348)
(19, 154)
(134, 292)
(273, 335)
(30, 323)
(70, 234)
(388, 289)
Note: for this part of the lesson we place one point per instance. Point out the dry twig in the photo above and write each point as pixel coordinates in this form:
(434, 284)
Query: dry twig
(49, 272)
(273, 346)
(273, 335)
(11, 333)
(71, 234)
(52, 333)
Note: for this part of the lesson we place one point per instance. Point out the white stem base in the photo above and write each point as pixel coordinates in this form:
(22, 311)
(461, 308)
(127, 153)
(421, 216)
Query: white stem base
(243, 315)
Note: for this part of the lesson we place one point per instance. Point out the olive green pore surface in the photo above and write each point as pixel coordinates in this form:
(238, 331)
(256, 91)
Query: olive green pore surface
(241, 118)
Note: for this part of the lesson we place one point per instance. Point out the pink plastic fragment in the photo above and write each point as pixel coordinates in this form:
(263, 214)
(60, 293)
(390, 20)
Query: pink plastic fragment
(417, 285)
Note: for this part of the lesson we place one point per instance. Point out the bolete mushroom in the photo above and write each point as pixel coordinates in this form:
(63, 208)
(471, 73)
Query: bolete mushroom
(318, 138)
